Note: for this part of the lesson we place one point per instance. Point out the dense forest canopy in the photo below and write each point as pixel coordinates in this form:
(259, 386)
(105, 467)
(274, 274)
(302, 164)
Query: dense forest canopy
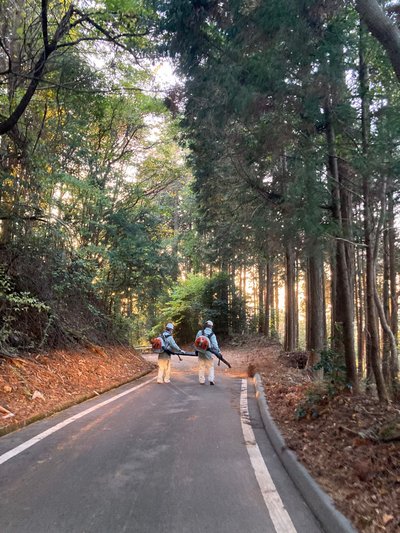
(262, 190)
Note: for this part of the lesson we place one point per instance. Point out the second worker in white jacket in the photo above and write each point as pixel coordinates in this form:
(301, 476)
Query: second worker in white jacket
(205, 358)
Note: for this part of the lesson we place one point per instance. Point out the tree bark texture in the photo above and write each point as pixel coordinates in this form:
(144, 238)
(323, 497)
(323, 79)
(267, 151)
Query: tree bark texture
(372, 333)
(360, 313)
(315, 310)
(277, 317)
(344, 308)
(290, 296)
(386, 310)
(261, 297)
(269, 323)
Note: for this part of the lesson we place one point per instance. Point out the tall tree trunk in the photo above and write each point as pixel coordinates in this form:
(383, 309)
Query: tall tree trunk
(367, 346)
(224, 299)
(371, 311)
(315, 306)
(296, 302)
(233, 319)
(269, 322)
(290, 295)
(386, 357)
(276, 305)
(379, 306)
(394, 363)
(333, 284)
(360, 312)
(344, 308)
(244, 285)
(261, 296)
(308, 306)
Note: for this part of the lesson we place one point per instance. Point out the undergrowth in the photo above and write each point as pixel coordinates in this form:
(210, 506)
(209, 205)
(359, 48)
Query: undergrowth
(320, 393)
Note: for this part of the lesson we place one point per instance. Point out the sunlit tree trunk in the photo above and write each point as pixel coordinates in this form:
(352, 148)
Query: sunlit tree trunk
(315, 303)
(296, 302)
(276, 304)
(290, 297)
(269, 321)
(243, 274)
(261, 297)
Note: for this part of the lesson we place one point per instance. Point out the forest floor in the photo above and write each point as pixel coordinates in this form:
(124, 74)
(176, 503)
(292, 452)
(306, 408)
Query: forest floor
(340, 439)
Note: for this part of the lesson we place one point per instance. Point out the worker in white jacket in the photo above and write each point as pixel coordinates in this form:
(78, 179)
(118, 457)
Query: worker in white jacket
(164, 358)
(205, 357)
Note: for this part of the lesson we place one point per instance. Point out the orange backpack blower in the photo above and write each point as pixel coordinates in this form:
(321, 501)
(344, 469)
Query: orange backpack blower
(202, 343)
(157, 344)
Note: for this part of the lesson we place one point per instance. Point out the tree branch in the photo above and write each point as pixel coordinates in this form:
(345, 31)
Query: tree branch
(382, 28)
(45, 32)
(38, 70)
(55, 43)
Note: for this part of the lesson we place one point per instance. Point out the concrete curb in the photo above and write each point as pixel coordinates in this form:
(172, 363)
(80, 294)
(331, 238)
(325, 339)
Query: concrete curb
(319, 502)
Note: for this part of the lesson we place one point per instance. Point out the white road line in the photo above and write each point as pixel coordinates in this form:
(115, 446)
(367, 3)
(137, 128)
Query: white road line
(34, 440)
(279, 516)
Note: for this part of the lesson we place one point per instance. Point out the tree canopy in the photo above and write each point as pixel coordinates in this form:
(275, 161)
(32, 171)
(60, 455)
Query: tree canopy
(261, 189)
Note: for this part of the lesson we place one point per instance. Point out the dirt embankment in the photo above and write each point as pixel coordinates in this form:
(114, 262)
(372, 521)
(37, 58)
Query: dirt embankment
(350, 444)
(37, 386)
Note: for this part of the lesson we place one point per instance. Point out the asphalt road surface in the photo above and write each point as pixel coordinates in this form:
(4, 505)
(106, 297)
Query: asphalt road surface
(148, 458)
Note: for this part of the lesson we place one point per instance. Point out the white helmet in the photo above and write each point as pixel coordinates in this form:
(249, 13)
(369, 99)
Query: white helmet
(169, 326)
(209, 323)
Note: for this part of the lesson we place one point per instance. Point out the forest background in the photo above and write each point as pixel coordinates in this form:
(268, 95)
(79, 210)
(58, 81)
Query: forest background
(261, 192)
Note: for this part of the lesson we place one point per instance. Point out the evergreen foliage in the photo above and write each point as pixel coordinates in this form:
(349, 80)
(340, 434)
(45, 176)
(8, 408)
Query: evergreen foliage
(288, 120)
(280, 150)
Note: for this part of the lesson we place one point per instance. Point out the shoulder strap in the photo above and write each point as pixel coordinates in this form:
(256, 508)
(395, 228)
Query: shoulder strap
(208, 336)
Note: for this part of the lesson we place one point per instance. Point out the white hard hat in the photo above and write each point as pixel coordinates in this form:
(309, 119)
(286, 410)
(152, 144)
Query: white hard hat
(169, 326)
(209, 323)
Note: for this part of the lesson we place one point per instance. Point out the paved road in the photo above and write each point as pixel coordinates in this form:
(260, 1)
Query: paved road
(177, 458)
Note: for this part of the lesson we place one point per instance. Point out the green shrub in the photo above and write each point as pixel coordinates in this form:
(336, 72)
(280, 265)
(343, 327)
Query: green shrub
(334, 367)
(25, 320)
(315, 398)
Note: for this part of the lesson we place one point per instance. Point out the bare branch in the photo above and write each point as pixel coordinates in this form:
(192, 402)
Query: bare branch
(45, 24)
